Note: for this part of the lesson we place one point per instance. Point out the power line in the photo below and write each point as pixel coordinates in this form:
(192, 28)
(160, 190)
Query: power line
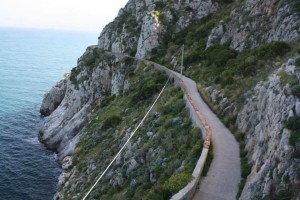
(132, 134)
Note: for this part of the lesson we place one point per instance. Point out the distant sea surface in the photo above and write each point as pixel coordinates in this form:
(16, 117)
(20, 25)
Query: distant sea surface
(31, 62)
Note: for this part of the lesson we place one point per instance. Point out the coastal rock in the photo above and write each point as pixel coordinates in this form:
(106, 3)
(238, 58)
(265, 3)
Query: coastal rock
(54, 97)
(67, 162)
(62, 129)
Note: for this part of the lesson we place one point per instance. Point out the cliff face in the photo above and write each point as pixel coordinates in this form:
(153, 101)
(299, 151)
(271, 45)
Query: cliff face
(275, 168)
(256, 22)
(96, 76)
(231, 48)
(141, 25)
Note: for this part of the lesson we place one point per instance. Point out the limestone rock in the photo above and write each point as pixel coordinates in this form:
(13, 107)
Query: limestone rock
(54, 97)
(63, 128)
(67, 162)
(262, 120)
(138, 29)
(297, 108)
(256, 22)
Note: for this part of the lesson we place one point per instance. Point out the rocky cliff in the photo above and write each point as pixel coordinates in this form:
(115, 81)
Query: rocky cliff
(142, 25)
(69, 101)
(256, 22)
(273, 155)
(234, 51)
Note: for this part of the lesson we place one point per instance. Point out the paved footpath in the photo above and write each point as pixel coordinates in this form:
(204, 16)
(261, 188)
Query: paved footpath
(223, 177)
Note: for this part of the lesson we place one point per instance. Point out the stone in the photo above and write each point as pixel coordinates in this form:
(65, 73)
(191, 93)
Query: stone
(215, 35)
(132, 165)
(297, 108)
(63, 178)
(149, 134)
(291, 61)
(54, 97)
(290, 69)
(67, 162)
(262, 120)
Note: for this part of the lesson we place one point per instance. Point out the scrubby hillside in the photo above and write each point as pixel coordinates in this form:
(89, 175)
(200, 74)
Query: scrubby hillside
(244, 55)
(158, 161)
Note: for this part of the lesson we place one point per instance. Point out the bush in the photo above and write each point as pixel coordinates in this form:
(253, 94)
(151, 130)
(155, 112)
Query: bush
(288, 79)
(246, 168)
(293, 123)
(224, 1)
(219, 55)
(106, 101)
(159, 5)
(273, 50)
(296, 90)
(177, 182)
(112, 121)
(297, 62)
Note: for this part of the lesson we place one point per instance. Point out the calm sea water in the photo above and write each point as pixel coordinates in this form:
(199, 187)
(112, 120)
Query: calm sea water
(31, 61)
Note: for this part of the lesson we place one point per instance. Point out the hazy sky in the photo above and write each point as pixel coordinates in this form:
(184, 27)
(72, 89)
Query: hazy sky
(82, 15)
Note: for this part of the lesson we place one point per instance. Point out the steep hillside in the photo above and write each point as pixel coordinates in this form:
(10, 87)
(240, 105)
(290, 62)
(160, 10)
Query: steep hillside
(243, 54)
(157, 162)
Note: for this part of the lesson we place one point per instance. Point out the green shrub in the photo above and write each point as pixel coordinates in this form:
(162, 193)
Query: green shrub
(219, 55)
(293, 123)
(177, 182)
(112, 121)
(224, 1)
(159, 5)
(288, 79)
(297, 62)
(273, 49)
(246, 168)
(296, 90)
(295, 137)
(106, 101)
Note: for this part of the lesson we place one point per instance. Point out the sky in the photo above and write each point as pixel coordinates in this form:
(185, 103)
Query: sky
(77, 15)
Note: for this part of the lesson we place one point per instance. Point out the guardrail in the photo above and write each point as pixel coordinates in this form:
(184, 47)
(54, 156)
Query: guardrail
(189, 190)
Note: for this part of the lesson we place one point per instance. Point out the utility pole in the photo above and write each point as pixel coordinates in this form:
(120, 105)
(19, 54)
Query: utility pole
(181, 68)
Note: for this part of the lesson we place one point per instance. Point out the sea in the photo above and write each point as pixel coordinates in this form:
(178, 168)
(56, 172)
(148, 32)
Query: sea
(31, 62)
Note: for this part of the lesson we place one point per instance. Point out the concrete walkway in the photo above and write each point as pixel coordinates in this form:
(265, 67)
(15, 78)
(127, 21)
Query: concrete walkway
(221, 182)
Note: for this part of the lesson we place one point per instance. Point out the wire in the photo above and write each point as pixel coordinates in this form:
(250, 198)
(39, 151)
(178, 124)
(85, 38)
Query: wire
(132, 134)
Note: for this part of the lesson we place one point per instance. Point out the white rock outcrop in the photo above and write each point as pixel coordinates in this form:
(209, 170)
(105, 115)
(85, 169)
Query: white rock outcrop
(257, 22)
(54, 97)
(141, 25)
(62, 129)
(262, 120)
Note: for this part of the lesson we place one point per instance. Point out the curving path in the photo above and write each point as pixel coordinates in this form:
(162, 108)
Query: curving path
(223, 177)
(224, 174)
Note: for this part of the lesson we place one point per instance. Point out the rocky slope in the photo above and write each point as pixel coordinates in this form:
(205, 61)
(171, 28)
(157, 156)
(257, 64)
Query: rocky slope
(142, 25)
(256, 22)
(275, 160)
(230, 47)
(69, 101)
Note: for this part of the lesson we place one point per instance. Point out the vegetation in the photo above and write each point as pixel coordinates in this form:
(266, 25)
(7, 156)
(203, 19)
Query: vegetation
(297, 62)
(293, 123)
(166, 148)
(177, 181)
(223, 68)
